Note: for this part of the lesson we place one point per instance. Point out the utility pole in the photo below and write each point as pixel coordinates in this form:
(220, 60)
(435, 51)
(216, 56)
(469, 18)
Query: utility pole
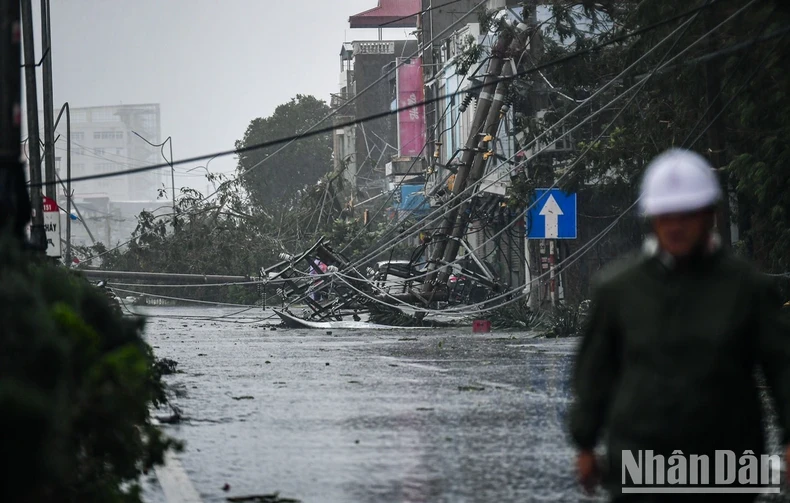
(470, 151)
(553, 279)
(491, 108)
(49, 129)
(37, 233)
(14, 202)
(715, 135)
(496, 112)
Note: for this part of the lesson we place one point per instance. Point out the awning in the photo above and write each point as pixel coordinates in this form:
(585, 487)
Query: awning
(388, 14)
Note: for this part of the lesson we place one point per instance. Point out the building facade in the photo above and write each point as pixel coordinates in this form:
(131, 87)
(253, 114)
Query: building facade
(363, 150)
(103, 140)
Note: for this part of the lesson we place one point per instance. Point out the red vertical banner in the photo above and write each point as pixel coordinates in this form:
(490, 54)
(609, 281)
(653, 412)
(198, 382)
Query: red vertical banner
(411, 121)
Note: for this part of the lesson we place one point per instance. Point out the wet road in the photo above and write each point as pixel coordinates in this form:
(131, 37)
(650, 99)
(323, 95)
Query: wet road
(411, 415)
(354, 416)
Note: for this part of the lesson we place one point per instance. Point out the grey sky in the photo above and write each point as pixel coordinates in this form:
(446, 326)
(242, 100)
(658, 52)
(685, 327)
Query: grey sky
(213, 65)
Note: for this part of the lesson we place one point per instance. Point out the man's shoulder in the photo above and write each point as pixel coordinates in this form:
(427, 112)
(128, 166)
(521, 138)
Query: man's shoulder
(739, 267)
(750, 277)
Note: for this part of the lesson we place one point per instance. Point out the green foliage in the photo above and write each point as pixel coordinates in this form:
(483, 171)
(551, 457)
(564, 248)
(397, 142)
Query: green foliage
(516, 315)
(273, 185)
(469, 55)
(671, 110)
(565, 320)
(76, 384)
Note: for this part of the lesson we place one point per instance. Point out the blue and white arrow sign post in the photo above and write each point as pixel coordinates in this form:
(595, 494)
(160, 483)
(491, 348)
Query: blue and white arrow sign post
(552, 215)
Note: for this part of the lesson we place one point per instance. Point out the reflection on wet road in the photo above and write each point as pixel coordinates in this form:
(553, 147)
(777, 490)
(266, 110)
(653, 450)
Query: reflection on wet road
(354, 416)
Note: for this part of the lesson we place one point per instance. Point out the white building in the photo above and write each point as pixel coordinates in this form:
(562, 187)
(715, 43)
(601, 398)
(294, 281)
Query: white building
(103, 140)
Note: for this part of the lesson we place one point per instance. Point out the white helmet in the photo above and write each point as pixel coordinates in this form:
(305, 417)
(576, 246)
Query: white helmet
(679, 181)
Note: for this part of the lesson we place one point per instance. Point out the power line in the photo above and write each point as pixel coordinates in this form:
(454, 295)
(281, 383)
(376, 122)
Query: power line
(593, 241)
(438, 213)
(537, 68)
(316, 132)
(304, 134)
(587, 246)
(424, 11)
(183, 299)
(640, 84)
(400, 184)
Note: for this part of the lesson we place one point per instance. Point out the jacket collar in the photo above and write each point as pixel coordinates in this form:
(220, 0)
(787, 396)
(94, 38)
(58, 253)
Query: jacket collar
(651, 249)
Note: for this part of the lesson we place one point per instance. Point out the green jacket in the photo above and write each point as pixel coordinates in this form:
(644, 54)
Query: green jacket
(668, 358)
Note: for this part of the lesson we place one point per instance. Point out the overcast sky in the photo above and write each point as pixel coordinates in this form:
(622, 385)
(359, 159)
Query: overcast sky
(213, 65)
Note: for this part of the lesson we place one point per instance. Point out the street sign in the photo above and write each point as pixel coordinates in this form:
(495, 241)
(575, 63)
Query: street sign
(552, 215)
(52, 226)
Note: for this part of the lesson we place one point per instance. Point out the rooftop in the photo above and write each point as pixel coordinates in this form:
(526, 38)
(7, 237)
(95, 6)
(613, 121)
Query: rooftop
(388, 14)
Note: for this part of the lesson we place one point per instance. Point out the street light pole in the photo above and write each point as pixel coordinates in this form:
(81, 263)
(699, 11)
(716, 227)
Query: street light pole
(65, 108)
(170, 163)
(172, 177)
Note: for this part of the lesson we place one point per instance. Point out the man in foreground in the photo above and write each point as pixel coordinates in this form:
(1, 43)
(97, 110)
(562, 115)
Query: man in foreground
(667, 362)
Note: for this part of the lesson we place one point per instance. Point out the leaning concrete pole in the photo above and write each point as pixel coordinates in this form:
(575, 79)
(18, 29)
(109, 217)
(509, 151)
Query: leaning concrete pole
(496, 113)
(490, 83)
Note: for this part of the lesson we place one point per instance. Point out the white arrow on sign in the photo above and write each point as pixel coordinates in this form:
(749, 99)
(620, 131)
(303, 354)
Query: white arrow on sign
(551, 212)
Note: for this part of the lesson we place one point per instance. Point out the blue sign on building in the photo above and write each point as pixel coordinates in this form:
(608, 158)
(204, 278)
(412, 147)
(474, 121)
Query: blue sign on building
(413, 199)
(552, 215)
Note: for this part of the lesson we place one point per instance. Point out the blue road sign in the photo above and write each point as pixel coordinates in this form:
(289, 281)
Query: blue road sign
(552, 215)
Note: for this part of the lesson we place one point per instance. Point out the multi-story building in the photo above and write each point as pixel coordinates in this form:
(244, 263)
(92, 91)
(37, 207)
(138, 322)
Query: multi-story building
(103, 140)
(363, 150)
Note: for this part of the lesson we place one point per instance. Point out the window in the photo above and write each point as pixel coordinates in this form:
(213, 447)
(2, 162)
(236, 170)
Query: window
(78, 116)
(105, 167)
(78, 136)
(108, 135)
(103, 115)
(99, 151)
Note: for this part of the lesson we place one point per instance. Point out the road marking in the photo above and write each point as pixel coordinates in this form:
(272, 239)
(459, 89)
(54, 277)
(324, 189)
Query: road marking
(175, 482)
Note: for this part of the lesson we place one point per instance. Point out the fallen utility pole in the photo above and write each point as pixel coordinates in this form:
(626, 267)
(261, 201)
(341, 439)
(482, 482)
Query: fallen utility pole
(14, 202)
(484, 101)
(162, 276)
(37, 234)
